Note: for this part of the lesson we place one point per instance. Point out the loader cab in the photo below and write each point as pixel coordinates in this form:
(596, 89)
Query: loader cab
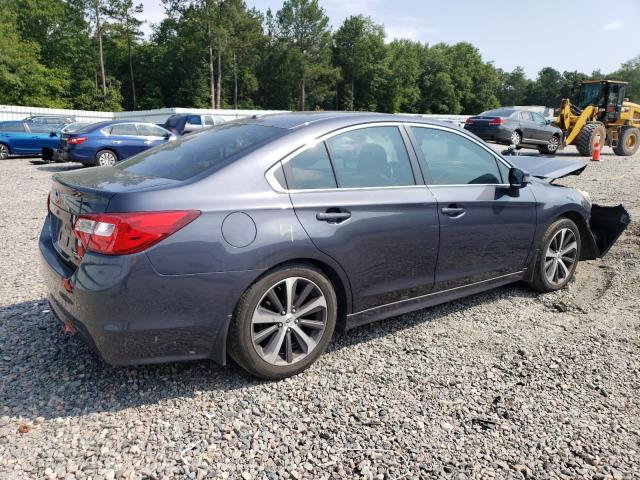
(607, 95)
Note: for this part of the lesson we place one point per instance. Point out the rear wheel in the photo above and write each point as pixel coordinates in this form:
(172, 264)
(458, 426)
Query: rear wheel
(516, 138)
(627, 142)
(4, 151)
(283, 322)
(106, 158)
(550, 148)
(587, 138)
(558, 256)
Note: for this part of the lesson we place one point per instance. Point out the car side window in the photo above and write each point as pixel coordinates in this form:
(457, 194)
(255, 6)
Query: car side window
(194, 120)
(453, 159)
(526, 117)
(208, 120)
(124, 129)
(371, 157)
(40, 128)
(539, 119)
(310, 169)
(145, 130)
(12, 127)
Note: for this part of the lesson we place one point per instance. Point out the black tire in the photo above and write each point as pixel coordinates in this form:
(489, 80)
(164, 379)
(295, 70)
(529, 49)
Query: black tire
(628, 142)
(5, 151)
(104, 153)
(540, 282)
(552, 147)
(239, 341)
(587, 138)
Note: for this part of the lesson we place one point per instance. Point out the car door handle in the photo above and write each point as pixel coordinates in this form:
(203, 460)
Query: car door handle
(331, 217)
(454, 212)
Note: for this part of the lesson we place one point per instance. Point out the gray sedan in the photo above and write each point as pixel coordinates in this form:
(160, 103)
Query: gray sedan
(521, 128)
(257, 239)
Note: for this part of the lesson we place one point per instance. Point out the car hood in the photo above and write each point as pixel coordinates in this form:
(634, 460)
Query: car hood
(548, 168)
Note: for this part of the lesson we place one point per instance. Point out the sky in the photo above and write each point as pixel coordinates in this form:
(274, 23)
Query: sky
(583, 35)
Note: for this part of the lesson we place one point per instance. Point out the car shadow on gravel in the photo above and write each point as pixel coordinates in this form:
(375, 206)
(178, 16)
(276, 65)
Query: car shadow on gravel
(44, 372)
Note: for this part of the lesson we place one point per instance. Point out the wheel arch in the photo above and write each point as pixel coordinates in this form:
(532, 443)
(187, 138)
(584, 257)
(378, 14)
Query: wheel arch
(8, 145)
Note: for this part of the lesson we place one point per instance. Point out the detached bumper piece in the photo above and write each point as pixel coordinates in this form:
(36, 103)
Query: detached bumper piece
(606, 225)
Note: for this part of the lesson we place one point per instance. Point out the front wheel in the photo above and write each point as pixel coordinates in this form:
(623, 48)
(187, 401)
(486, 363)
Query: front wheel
(283, 322)
(558, 256)
(550, 148)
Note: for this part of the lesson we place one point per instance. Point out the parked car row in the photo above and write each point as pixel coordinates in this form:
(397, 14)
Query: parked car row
(62, 139)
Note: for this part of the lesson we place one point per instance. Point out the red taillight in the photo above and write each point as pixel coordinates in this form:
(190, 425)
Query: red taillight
(469, 121)
(76, 140)
(125, 233)
(497, 121)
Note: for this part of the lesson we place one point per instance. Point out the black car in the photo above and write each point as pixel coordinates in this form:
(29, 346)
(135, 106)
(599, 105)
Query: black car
(521, 128)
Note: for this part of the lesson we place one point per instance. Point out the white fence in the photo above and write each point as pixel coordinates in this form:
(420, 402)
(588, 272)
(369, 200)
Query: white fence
(12, 112)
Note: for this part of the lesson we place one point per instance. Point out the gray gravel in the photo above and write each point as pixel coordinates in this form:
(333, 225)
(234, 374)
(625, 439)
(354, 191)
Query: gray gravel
(505, 384)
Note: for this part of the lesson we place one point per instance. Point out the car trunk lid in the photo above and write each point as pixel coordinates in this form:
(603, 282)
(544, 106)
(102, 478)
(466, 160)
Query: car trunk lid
(87, 191)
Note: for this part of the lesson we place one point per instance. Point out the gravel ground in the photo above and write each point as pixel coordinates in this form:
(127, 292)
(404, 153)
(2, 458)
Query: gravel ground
(505, 384)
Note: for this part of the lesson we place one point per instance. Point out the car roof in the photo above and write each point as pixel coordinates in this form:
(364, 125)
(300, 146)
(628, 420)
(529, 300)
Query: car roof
(292, 121)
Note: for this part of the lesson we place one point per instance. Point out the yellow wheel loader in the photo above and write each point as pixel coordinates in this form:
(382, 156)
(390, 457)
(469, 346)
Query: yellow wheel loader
(601, 112)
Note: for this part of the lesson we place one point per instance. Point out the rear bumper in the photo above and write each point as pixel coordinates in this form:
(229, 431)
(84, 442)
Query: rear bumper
(131, 315)
(496, 134)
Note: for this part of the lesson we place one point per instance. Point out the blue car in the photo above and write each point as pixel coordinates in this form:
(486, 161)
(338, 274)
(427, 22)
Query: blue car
(24, 138)
(106, 143)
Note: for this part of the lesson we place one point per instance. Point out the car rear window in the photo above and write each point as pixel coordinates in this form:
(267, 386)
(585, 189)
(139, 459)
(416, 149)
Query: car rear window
(12, 127)
(500, 112)
(191, 155)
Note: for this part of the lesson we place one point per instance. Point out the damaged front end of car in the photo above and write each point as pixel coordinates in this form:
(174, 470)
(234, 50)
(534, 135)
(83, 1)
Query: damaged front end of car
(605, 225)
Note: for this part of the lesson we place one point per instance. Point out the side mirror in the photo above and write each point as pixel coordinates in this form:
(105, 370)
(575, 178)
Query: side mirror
(518, 178)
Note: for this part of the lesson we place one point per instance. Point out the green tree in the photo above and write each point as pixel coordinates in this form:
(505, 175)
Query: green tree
(126, 26)
(359, 50)
(630, 72)
(546, 89)
(303, 29)
(513, 87)
(402, 90)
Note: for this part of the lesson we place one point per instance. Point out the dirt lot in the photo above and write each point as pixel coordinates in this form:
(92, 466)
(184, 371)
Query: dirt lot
(503, 384)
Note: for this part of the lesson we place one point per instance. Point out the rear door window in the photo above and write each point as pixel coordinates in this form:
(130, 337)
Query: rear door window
(12, 127)
(124, 129)
(147, 130)
(192, 155)
(452, 159)
(526, 117)
(310, 169)
(371, 157)
(208, 120)
(194, 120)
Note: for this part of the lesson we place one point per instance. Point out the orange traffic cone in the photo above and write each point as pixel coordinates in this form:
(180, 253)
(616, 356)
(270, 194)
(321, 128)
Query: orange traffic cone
(596, 150)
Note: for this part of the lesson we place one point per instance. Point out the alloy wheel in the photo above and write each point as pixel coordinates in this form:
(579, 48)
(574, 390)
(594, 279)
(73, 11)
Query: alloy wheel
(106, 159)
(4, 152)
(560, 257)
(515, 138)
(553, 144)
(289, 321)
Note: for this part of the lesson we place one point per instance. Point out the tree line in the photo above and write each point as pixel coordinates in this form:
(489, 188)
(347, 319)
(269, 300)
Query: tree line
(92, 55)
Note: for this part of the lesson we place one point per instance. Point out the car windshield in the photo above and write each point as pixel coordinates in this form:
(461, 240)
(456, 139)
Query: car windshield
(499, 112)
(191, 155)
